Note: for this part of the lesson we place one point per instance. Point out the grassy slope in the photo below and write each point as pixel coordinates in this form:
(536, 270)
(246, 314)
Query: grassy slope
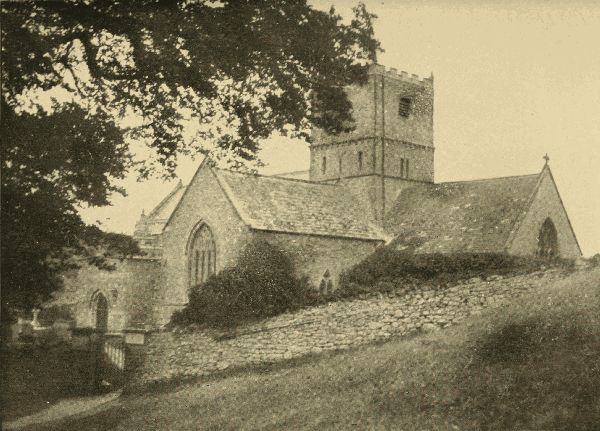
(531, 366)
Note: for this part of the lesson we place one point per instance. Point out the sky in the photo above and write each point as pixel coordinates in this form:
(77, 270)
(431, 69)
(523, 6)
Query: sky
(512, 80)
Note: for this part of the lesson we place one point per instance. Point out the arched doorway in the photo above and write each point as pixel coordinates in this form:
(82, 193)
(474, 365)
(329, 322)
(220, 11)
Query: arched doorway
(202, 256)
(547, 240)
(101, 312)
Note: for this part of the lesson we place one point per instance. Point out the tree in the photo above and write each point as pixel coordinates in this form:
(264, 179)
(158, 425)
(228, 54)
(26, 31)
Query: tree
(237, 69)
(234, 70)
(51, 164)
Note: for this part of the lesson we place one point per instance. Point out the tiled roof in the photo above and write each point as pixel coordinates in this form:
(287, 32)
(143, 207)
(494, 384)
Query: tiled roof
(468, 216)
(296, 206)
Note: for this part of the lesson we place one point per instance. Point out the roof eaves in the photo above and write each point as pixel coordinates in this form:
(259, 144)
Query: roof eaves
(339, 236)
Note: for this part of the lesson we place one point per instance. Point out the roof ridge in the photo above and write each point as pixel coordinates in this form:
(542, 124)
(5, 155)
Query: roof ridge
(164, 201)
(489, 179)
(274, 177)
(289, 172)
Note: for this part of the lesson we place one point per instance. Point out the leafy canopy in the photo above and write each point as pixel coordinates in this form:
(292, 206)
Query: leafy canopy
(234, 71)
(51, 164)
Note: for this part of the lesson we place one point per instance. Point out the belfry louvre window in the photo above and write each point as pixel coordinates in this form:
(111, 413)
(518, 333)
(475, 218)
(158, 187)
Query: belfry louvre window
(404, 107)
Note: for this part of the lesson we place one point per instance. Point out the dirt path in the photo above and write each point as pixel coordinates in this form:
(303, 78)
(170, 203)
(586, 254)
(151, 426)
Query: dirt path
(63, 409)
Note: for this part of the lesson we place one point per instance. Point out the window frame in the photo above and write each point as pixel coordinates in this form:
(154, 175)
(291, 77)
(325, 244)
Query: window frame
(405, 104)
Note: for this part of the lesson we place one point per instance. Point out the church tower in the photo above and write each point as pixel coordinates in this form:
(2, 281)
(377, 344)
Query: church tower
(391, 146)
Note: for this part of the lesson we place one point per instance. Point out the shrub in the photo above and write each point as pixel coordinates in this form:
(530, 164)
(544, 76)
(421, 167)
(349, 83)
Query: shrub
(262, 284)
(51, 314)
(388, 263)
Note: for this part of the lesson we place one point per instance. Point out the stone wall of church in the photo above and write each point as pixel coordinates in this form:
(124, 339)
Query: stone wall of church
(203, 202)
(128, 290)
(546, 204)
(334, 326)
(418, 158)
(314, 255)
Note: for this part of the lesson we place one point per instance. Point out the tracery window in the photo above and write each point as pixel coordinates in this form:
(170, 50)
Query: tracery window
(201, 256)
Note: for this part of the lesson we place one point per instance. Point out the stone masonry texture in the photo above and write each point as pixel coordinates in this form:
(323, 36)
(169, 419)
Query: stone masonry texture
(334, 326)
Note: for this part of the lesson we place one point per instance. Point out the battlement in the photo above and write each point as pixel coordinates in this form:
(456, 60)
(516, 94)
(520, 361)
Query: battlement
(391, 72)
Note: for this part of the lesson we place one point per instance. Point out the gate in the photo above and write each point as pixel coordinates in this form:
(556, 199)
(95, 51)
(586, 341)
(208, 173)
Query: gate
(113, 359)
(109, 361)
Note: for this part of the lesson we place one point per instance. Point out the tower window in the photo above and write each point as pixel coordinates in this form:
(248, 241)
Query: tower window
(360, 160)
(404, 107)
(324, 165)
(403, 168)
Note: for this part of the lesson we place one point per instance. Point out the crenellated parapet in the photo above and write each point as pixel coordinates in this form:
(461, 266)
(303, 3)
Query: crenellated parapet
(392, 73)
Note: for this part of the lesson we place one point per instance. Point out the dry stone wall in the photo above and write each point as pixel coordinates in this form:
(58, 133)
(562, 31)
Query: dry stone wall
(334, 326)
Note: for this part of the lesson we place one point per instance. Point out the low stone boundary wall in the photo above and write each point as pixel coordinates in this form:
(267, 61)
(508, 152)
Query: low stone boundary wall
(334, 326)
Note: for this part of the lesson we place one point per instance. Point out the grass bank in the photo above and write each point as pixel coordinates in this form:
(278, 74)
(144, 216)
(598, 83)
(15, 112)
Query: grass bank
(533, 365)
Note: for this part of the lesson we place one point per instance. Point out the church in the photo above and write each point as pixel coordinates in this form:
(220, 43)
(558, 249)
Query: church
(372, 186)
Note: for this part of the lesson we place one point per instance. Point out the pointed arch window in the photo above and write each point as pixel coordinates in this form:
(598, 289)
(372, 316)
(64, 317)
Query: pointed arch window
(201, 256)
(548, 240)
(326, 285)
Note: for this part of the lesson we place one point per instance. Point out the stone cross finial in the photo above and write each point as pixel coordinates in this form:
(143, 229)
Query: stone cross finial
(546, 158)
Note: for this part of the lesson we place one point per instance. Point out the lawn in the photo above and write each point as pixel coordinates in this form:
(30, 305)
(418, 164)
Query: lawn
(35, 377)
(533, 365)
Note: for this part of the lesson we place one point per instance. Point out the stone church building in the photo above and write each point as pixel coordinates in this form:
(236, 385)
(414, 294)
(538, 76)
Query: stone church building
(366, 188)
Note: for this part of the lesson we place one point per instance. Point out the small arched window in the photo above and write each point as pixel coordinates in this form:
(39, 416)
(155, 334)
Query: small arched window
(326, 285)
(100, 311)
(360, 161)
(548, 240)
(324, 165)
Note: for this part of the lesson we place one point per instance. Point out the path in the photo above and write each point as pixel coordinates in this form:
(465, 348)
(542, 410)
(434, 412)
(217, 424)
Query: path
(63, 409)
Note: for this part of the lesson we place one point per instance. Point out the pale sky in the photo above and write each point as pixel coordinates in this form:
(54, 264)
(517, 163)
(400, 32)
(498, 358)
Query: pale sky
(513, 81)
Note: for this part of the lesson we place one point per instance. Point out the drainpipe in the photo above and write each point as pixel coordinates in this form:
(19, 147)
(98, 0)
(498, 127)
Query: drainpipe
(382, 148)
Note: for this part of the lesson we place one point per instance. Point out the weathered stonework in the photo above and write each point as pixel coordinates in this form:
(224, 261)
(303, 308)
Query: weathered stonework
(128, 290)
(206, 204)
(334, 326)
(545, 204)
(367, 187)
(314, 255)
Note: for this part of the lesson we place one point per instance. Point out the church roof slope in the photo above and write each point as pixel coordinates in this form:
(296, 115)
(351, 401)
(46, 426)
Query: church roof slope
(466, 216)
(296, 206)
(166, 207)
